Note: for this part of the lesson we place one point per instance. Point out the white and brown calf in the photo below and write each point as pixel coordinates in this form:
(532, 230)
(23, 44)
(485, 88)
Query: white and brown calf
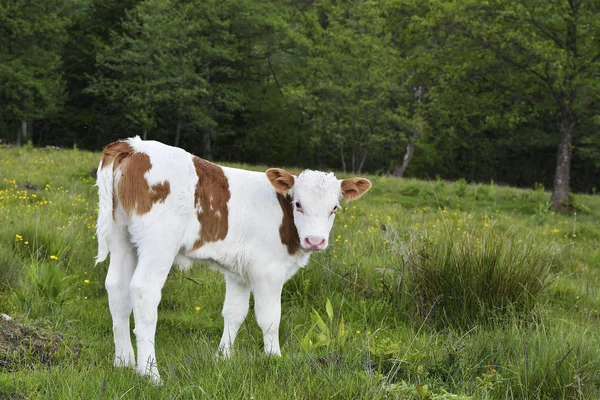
(160, 205)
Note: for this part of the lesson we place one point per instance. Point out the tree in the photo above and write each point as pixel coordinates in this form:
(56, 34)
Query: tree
(343, 86)
(151, 63)
(32, 35)
(536, 58)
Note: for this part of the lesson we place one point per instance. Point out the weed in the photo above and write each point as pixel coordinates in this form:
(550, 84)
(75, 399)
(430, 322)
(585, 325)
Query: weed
(46, 286)
(330, 334)
(541, 214)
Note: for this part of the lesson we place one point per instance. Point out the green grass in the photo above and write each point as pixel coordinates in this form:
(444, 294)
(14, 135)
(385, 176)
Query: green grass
(441, 288)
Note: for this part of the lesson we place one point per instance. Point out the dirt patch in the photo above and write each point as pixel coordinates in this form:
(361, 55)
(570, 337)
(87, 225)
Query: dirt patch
(26, 344)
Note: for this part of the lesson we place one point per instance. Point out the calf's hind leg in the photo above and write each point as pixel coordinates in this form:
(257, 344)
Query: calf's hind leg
(156, 253)
(120, 271)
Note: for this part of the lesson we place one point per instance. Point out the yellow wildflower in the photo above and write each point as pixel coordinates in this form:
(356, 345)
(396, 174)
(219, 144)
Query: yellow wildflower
(53, 257)
(86, 281)
(197, 308)
(19, 237)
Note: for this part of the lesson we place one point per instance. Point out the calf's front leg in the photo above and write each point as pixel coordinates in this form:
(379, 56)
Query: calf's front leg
(235, 308)
(267, 306)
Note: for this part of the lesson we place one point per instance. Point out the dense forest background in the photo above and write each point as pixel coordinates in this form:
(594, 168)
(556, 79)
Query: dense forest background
(502, 90)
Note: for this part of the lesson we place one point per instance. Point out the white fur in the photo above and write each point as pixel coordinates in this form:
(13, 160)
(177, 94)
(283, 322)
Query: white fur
(252, 257)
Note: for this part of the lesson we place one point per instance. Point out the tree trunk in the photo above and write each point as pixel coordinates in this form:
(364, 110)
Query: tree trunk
(145, 133)
(207, 146)
(400, 168)
(177, 133)
(343, 160)
(24, 129)
(417, 132)
(362, 163)
(31, 132)
(18, 133)
(354, 158)
(562, 175)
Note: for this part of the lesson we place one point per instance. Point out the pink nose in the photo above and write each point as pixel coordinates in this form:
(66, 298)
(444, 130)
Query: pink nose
(314, 242)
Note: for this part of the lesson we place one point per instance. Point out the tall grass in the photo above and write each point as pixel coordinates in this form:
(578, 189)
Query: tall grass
(466, 276)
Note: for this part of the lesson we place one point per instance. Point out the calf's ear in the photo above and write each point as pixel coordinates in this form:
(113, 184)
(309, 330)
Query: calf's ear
(281, 180)
(353, 188)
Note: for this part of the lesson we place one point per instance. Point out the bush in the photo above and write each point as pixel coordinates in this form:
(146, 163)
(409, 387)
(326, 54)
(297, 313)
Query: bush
(469, 277)
(460, 187)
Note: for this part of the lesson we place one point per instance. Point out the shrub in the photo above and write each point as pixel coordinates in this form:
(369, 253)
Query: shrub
(410, 190)
(439, 187)
(460, 187)
(485, 192)
(469, 277)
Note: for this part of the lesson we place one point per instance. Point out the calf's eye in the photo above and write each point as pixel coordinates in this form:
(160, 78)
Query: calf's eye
(298, 206)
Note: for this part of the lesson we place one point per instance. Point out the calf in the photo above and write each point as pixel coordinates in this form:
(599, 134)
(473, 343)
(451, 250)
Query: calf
(160, 205)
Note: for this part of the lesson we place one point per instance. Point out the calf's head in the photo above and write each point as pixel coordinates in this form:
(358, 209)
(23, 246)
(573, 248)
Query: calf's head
(315, 199)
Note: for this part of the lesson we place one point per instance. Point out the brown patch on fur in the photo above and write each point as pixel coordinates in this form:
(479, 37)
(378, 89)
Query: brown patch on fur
(353, 188)
(115, 153)
(288, 232)
(212, 195)
(134, 192)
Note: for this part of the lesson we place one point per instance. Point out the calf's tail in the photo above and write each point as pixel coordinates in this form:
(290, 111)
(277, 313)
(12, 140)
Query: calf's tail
(113, 156)
(104, 181)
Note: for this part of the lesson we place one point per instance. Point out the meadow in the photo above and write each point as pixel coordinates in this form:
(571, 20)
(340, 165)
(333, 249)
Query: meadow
(429, 290)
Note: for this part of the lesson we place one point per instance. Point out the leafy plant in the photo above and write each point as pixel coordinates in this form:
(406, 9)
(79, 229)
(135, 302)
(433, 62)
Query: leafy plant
(541, 214)
(490, 378)
(328, 334)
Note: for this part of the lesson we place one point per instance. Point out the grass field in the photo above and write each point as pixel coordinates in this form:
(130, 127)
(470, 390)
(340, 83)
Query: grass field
(429, 290)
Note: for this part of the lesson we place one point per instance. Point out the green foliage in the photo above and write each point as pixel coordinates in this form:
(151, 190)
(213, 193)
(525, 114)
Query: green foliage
(478, 92)
(30, 62)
